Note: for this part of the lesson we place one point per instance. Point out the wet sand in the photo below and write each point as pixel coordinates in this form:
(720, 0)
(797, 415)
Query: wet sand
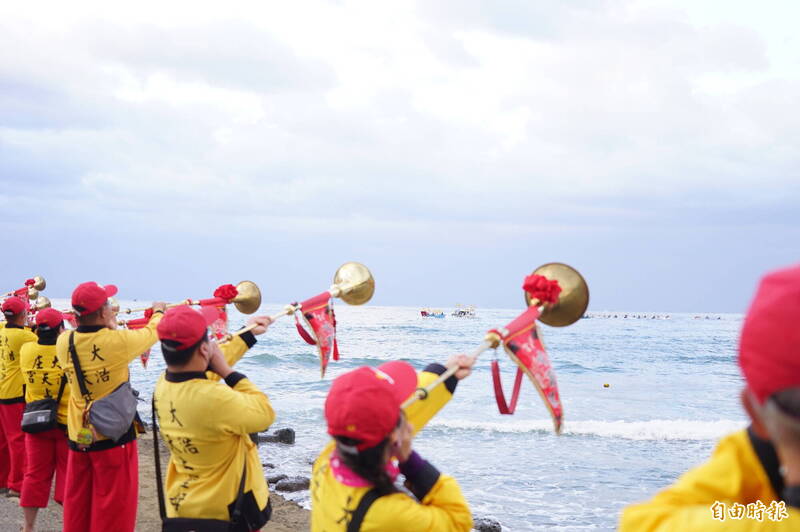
(286, 515)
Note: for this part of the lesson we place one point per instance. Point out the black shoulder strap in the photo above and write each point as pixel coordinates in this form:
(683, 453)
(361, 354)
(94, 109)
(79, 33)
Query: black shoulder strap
(77, 365)
(162, 510)
(361, 510)
(236, 515)
(61, 388)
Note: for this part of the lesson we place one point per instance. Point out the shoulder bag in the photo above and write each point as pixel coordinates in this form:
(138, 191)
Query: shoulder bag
(41, 415)
(113, 414)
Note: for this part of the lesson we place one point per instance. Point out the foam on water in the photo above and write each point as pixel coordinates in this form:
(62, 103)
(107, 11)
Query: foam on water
(655, 429)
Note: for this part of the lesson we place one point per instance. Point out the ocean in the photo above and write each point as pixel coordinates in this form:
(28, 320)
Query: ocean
(673, 391)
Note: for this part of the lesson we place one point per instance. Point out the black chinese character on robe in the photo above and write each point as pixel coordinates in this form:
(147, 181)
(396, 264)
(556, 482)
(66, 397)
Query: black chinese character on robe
(347, 514)
(185, 464)
(176, 501)
(96, 353)
(188, 447)
(103, 375)
(173, 411)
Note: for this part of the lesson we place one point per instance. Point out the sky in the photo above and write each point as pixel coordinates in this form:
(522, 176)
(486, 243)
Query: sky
(451, 146)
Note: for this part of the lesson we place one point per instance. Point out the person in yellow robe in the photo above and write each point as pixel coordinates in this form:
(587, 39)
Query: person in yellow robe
(46, 450)
(12, 396)
(353, 479)
(752, 481)
(102, 487)
(207, 425)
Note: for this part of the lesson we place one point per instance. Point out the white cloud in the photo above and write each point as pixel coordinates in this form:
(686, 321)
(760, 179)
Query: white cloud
(392, 112)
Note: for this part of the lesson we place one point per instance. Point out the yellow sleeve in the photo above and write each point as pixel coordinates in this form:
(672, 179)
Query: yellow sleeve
(30, 336)
(140, 340)
(443, 509)
(732, 474)
(246, 409)
(234, 350)
(25, 359)
(419, 413)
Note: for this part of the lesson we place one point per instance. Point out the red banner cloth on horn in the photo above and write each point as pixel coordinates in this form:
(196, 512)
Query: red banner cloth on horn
(318, 314)
(219, 327)
(144, 357)
(22, 293)
(522, 343)
(137, 323)
(70, 318)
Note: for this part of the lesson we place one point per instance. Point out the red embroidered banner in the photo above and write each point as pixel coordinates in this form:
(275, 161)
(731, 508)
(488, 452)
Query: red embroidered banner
(144, 357)
(318, 314)
(219, 327)
(522, 343)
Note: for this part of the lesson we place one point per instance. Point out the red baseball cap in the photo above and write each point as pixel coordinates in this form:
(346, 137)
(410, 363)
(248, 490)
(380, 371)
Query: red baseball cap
(13, 306)
(364, 404)
(769, 348)
(185, 326)
(90, 297)
(49, 318)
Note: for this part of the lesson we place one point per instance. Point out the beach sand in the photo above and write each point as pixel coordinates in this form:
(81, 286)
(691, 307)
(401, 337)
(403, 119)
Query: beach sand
(286, 515)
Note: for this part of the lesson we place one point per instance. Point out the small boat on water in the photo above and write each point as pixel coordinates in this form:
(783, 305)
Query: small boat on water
(462, 311)
(428, 313)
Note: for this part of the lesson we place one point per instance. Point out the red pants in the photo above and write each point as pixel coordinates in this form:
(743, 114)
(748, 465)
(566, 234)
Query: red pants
(102, 490)
(47, 454)
(10, 421)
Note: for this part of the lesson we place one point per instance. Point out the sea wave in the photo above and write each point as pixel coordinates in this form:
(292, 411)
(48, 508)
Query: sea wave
(654, 429)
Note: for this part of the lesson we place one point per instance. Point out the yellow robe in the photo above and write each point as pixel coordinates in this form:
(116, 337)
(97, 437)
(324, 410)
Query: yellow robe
(443, 508)
(733, 477)
(206, 425)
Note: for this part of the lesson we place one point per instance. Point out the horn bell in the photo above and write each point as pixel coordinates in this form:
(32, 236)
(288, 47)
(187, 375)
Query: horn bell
(354, 282)
(42, 302)
(248, 298)
(39, 283)
(33, 293)
(573, 299)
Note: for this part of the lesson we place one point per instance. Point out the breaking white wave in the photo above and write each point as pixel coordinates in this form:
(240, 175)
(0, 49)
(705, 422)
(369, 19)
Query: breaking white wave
(655, 429)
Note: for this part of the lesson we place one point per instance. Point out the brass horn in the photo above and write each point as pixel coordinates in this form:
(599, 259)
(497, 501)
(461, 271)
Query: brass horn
(39, 283)
(247, 300)
(352, 283)
(573, 299)
(32, 291)
(571, 305)
(41, 302)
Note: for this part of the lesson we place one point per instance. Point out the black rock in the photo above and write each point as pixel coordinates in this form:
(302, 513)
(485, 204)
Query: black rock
(272, 479)
(293, 484)
(279, 436)
(268, 465)
(484, 524)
